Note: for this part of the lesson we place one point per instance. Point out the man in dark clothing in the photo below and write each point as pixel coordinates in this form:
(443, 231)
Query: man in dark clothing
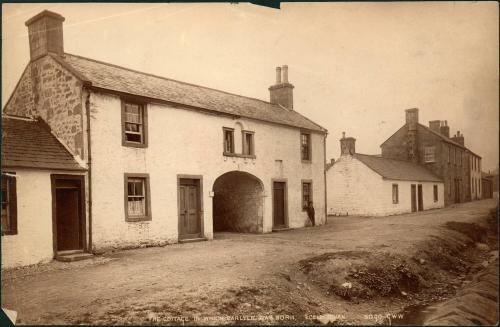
(310, 213)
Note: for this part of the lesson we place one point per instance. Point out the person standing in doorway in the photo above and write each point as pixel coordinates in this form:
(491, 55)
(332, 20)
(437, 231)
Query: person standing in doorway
(310, 213)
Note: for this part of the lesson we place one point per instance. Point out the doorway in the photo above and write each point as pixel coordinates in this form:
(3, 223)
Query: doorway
(279, 205)
(420, 198)
(190, 204)
(68, 213)
(457, 190)
(413, 198)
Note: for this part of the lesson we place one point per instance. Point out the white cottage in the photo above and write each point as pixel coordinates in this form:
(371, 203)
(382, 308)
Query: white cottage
(368, 185)
(165, 161)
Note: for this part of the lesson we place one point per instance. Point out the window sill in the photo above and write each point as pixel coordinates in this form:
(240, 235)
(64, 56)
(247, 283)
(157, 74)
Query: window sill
(239, 155)
(136, 219)
(134, 145)
(9, 233)
(306, 161)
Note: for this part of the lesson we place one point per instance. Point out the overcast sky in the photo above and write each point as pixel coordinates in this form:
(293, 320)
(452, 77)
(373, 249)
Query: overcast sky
(355, 66)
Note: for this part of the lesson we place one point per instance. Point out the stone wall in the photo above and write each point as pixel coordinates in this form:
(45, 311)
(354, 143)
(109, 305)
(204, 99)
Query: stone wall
(49, 91)
(238, 203)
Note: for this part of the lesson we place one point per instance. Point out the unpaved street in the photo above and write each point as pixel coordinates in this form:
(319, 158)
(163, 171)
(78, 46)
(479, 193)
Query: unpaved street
(294, 273)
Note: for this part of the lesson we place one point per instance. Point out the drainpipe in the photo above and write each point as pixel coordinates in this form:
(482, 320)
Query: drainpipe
(89, 174)
(324, 175)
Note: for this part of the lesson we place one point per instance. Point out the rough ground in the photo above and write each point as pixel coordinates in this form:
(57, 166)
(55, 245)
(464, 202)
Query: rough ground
(357, 270)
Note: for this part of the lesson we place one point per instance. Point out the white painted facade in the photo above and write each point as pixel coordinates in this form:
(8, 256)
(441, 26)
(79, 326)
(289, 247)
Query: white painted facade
(475, 177)
(190, 142)
(355, 189)
(33, 242)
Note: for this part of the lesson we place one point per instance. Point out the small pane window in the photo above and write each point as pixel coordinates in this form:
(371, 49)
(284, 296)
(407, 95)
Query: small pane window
(248, 143)
(429, 154)
(306, 195)
(228, 140)
(395, 194)
(134, 124)
(435, 193)
(305, 146)
(449, 154)
(137, 197)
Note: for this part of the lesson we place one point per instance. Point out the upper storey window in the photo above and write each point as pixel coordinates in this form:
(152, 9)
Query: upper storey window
(228, 140)
(430, 154)
(248, 143)
(134, 124)
(305, 146)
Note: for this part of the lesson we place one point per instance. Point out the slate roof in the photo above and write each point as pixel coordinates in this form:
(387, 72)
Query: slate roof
(397, 169)
(111, 77)
(30, 144)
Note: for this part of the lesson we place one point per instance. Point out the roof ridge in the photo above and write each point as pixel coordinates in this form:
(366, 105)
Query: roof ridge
(9, 116)
(386, 158)
(167, 78)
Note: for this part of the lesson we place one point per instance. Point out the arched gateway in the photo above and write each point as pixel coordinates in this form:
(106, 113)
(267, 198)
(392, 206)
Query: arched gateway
(238, 203)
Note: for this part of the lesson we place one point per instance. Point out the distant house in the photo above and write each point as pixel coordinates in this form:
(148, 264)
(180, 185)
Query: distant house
(432, 148)
(487, 185)
(370, 185)
(163, 161)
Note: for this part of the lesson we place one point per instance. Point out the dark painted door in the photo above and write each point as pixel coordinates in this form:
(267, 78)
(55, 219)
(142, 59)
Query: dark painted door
(457, 190)
(413, 198)
(189, 209)
(68, 220)
(420, 198)
(279, 204)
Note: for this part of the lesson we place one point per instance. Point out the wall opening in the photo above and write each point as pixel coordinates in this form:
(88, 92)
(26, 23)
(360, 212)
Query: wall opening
(238, 203)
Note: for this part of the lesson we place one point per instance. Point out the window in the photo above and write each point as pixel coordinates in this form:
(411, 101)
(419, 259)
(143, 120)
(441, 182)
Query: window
(449, 187)
(305, 146)
(429, 154)
(453, 157)
(449, 154)
(228, 140)
(137, 197)
(435, 193)
(395, 194)
(134, 124)
(306, 194)
(9, 204)
(248, 144)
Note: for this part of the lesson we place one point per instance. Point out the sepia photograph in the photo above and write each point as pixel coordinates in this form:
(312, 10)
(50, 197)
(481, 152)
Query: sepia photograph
(319, 163)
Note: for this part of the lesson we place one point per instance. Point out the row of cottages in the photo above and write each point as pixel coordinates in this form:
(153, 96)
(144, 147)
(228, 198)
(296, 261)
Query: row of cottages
(97, 156)
(371, 185)
(419, 168)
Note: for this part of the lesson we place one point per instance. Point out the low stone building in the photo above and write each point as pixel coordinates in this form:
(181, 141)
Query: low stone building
(370, 185)
(166, 161)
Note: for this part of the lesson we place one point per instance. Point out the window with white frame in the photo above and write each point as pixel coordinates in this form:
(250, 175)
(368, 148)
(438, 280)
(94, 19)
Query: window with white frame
(134, 124)
(9, 204)
(395, 194)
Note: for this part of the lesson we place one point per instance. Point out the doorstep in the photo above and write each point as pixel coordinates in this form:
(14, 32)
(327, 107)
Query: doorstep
(73, 255)
(191, 240)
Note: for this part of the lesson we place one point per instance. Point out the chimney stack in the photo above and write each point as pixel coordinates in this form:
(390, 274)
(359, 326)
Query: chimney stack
(282, 92)
(459, 138)
(347, 145)
(412, 139)
(445, 129)
(45, 32)
(434, 125)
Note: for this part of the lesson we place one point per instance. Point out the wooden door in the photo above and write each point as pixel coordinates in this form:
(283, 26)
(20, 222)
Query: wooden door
(413, 198)
(457, 191)
(68, 219)
(189, 209)
(279, 204)
(420, 198)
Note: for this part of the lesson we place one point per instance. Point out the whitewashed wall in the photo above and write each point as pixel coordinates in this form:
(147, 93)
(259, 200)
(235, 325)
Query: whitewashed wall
(189, 142)
(355, 189)
(33, 242)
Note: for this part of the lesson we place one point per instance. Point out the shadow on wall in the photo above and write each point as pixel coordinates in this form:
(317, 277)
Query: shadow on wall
(238, 203)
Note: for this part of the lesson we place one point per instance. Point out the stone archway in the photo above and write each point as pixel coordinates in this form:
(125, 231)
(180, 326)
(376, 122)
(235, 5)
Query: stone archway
(238, 203)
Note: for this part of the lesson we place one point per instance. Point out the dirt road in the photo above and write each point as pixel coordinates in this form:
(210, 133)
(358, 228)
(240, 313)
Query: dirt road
(290, 277)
